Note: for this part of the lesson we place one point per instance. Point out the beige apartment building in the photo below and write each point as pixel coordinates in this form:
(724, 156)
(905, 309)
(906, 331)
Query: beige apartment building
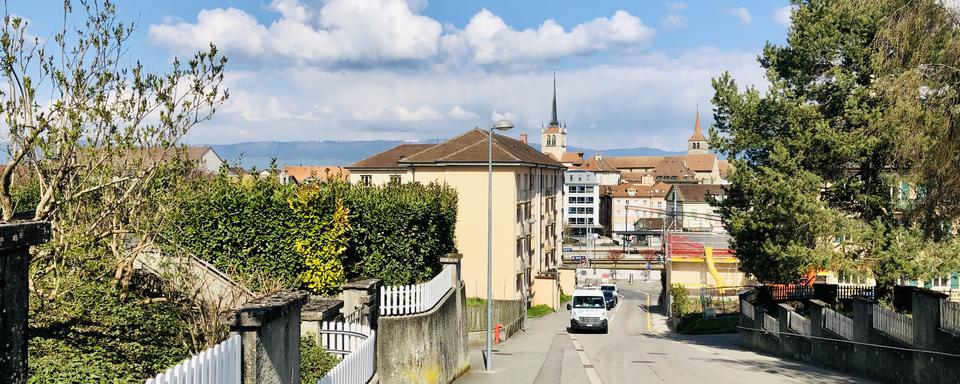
(527, 218)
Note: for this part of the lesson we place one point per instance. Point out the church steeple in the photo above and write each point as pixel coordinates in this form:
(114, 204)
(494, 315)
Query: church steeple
(553, 137)
(554, 121)
(697, 143)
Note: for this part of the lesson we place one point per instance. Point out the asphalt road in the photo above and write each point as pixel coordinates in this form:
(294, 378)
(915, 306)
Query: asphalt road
(635, 352)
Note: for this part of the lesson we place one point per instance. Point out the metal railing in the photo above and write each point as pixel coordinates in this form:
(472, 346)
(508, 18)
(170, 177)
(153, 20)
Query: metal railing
(849, 291)
(219, 364)
(893, 324)
(798, 324)
(838, 323)
(950, 316)
(359, 316)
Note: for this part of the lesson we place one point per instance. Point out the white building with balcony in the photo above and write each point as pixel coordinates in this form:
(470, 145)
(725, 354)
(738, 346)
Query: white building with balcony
(581, 202)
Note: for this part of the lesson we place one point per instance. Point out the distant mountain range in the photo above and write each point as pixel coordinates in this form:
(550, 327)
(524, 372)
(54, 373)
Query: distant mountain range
(259, 154)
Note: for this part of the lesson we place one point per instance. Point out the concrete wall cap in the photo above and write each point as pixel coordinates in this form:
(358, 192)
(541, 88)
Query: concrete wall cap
(818, 303)
(451, 258)
(367, 284)
(264, 309)
(19, 234)
(320, 309)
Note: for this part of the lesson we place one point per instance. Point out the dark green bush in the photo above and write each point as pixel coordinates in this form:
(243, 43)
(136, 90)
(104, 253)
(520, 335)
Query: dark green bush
(397, 232)
(314, 360)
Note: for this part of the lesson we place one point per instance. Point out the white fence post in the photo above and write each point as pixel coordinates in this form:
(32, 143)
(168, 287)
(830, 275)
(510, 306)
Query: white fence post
(219, 364)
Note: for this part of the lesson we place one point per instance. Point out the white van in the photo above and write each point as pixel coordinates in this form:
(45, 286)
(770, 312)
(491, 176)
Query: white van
(588, 310)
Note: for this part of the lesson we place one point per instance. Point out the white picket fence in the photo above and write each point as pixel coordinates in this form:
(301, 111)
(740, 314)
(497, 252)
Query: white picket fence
(356, 345)
(217, 365)
(415, 298)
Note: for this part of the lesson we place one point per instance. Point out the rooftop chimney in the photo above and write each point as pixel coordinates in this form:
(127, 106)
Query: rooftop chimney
(523, 138)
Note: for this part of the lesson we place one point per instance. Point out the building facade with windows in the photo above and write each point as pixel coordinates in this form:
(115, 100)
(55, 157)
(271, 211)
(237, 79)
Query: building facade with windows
(690, 204)
(581, 203)
(527, 216)
(385, 166)
(633, 204)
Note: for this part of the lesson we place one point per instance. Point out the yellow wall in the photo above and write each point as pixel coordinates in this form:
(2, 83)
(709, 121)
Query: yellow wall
(695, 275)
(471, 185)
(546, 292)
(568, 280)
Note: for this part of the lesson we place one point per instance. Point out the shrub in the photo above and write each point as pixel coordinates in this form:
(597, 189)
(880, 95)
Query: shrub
(240, 227)
(321, 239)
(679, 301)
(315, 361)
(695, 324)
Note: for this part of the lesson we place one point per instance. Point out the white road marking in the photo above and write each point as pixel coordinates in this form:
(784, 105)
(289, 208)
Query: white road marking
(592, 374)
(615, 312)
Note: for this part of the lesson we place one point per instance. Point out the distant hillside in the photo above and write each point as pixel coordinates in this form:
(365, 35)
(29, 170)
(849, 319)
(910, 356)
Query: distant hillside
(342, 153)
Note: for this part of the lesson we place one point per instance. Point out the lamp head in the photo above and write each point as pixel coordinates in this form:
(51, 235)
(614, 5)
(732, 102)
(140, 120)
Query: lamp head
(502, 125)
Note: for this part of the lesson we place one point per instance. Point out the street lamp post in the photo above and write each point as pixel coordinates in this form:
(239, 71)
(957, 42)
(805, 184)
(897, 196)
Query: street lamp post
(500, 125)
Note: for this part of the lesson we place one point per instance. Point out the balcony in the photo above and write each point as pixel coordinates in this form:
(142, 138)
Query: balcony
(524, 195)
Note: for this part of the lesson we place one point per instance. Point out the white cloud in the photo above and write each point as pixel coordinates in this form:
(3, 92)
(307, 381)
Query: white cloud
(741, 13)
(497, 116)
(784, 15)
(341, 30)
(676, 6)
(461, 114)
(487, 39)
(394, 114)
(384, 31)
(674, 22)
(648, 100)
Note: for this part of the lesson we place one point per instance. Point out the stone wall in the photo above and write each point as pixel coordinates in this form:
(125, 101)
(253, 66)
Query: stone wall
(429, 347)
(931, 359)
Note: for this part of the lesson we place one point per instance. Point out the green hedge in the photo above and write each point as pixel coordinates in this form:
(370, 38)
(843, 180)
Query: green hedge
(396, 232)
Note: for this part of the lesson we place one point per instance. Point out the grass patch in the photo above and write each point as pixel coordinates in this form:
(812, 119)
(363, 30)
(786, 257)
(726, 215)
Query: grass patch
(564, 298)
(539, 310)
(695, 324)
(476, 302)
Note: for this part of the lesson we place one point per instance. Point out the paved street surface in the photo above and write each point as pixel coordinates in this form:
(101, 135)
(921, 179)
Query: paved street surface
(634, 351)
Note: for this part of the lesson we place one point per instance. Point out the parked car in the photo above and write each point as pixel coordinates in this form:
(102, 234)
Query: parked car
(610, 300)
(588, 310)
(615, 292)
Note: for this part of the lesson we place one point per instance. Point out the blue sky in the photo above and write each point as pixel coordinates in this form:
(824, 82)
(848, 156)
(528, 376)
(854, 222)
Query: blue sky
(629, 72)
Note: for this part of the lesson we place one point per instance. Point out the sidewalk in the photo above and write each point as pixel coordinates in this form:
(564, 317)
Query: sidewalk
(542, 354)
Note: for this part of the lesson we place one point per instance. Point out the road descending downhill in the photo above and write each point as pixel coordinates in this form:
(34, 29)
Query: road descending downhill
(637, 349)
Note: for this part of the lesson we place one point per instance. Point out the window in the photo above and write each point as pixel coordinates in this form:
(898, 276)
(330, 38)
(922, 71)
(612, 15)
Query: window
(589, 200)
(366, 179)
(572, 210)
(394, 179)
(588, 189)
(573, 189)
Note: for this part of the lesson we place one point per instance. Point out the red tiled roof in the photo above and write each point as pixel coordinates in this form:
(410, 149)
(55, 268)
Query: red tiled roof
(391, 157)
(701, 162)
(575, 158)
(318, 172)
(697, 192)
(631, 162)
(597, 164)
(472, 147)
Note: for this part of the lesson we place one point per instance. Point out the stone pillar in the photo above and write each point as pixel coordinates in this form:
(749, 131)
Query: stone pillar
(453, 259)
(758, 312)
(318, 310)
(365, 294)
(816, 317)
(862, 318)
(269, 329)
(783, 316)
(15, 242)
(926, 318)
